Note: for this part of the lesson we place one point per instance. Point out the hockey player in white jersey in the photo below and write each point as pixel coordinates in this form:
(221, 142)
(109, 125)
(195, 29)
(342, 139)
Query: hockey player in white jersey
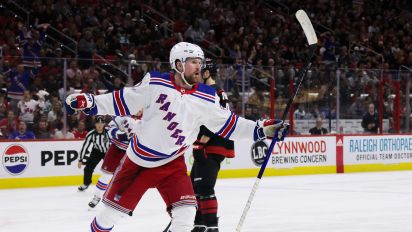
(175, 107)
(120, 133)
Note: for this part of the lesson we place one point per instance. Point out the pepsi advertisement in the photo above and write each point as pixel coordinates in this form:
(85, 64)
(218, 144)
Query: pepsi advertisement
(39, 158)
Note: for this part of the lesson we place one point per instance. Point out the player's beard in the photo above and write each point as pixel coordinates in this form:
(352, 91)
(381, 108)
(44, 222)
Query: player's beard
(194, 78)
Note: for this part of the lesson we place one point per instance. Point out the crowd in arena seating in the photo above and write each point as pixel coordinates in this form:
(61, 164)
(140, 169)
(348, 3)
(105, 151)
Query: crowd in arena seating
(252, 41)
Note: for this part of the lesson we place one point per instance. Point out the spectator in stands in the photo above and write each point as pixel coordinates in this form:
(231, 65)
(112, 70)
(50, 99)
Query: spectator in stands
(22, 133)
(61, 133)
(4, 70)
(32, 42)
(63, 94)
(299, 112)
(73, 121)
(80, 132)
(194, 33)
(356, 109)
(53, 82)
(4, 106)
(85, 48)
(77, 81)
(44, 101)
(9, 124)
(55, 112)
(90, 86)
(3, 133)
(91, 73)
(370, 121)
(391, 130)
(256, 99)
(19, 82)
(250, 112)
(318, 129)
(28, 109)
(73, 70)
(42, 131)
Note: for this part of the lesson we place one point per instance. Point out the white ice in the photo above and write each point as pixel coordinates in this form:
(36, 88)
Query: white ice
(361, 202)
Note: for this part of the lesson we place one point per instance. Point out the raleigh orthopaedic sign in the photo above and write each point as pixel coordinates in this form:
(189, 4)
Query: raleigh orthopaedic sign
(384, 149)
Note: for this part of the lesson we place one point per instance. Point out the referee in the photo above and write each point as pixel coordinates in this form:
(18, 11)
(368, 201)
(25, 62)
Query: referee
(98, 139)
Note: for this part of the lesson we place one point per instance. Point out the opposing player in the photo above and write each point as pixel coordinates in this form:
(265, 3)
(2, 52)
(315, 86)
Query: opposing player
(175, 107)
(120, 134)
(209, 151)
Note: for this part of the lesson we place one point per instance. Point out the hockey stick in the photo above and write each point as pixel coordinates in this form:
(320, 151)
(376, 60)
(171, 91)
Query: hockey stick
(312, 41)
(168, 226)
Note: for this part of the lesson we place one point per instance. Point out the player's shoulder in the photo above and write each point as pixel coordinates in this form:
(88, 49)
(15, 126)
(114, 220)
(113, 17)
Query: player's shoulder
(205, 92)
(159, 75)
(157, 78)
(206, 89)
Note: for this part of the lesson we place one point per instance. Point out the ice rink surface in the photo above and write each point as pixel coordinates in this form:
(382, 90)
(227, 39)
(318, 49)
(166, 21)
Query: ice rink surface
(361, 202)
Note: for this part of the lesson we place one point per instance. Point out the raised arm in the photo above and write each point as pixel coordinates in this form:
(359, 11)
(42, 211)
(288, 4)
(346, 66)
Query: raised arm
(127, 101)
(230, 126)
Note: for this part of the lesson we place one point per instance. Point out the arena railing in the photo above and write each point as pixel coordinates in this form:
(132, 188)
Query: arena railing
(339, 96)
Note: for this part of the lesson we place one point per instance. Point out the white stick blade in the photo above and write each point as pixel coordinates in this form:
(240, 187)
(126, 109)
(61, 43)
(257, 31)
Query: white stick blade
(307, 27)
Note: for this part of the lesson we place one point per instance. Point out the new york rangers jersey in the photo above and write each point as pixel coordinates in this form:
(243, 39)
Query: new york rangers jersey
(27, 109)
(172, 117)
(117, 133)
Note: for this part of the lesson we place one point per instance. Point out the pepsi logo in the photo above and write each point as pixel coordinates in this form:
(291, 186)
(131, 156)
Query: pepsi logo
(15, 159)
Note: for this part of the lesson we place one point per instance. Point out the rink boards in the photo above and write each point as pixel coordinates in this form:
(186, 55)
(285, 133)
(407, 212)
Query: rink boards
(54, 163)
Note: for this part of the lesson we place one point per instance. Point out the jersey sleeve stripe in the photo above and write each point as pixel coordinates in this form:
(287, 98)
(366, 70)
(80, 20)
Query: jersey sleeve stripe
(141, 156)
(148, 154)
(148, 150)
(226, 124)
(119, 102)
(124, 102)
(233, 128)
(204, 98)
(212, 97)
(118, 107)
(119, 144)
(162, 84)
(144, 155)
(160, 81)
(116, 110)
(233, 120)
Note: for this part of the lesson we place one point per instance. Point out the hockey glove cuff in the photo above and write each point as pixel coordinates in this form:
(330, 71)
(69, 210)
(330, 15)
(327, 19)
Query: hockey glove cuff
(271, 128)
(199, 151)
(83, 101)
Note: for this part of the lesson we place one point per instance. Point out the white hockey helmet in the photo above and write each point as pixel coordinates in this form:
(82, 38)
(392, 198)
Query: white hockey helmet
(181, 52)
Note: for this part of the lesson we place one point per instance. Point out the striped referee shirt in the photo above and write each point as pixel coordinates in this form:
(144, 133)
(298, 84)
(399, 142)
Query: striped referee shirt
(98, 141)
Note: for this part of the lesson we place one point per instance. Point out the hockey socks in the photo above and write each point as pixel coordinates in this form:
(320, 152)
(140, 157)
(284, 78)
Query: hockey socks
(102, 184)
(208, 210)
(182, 218)
(106, 219)
(101, 187)
(95, 227)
